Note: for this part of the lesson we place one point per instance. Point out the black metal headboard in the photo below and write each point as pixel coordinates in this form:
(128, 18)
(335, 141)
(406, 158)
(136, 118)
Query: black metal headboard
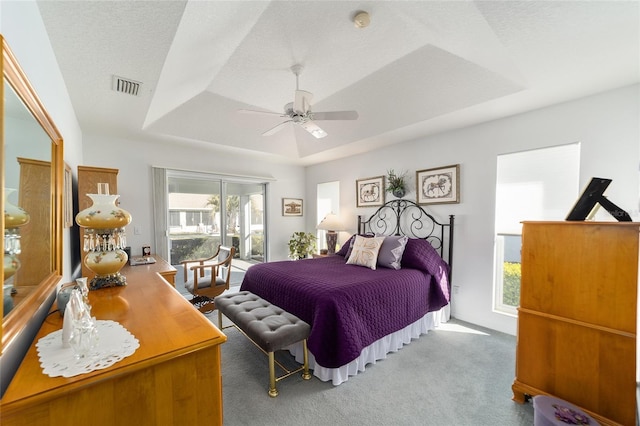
(405, 217)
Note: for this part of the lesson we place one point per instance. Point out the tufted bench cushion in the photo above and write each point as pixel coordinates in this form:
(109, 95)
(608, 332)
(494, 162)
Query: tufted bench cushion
(268, 326)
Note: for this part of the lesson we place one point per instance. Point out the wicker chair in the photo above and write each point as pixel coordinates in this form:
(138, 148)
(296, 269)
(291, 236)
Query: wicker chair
(208, 278)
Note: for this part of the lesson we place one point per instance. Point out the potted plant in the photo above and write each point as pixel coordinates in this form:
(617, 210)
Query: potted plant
(301, 245)
(396, 183)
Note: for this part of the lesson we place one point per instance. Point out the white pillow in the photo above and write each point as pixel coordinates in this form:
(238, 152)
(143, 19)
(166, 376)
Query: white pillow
(365, 251)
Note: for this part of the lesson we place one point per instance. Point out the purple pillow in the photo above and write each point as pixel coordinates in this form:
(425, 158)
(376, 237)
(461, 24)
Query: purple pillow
(345, 250)
(390, 254)
(420, 254)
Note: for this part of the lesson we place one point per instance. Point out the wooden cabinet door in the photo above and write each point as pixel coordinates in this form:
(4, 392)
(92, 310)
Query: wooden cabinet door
(577, 316)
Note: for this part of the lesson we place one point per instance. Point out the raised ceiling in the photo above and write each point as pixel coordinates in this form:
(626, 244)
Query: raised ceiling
(419, 68)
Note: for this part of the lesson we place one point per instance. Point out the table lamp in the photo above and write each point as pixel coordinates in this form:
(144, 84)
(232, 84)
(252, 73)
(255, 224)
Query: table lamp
(331, 223)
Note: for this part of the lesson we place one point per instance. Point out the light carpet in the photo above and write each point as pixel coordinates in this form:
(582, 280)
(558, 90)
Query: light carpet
(458, 374)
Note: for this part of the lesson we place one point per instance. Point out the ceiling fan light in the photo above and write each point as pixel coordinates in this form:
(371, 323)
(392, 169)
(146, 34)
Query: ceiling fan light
(319, 133)
(312, 128)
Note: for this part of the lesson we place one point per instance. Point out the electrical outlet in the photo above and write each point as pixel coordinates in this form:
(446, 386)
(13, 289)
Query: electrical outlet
(137, 230)
(456, 289)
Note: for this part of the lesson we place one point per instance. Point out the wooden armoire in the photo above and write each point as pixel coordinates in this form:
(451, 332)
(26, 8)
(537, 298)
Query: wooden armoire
(88, 180)
(577, 317)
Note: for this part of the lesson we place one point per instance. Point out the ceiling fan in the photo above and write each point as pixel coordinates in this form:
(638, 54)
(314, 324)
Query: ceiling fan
(299, 112)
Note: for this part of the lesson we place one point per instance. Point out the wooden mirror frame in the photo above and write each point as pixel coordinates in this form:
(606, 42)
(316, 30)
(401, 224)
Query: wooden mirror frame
(16, 320)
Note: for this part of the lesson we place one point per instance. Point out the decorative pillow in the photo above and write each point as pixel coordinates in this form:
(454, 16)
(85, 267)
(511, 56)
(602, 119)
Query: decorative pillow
(345, 250)
(420, 254)
(365, 251)
(391, 251)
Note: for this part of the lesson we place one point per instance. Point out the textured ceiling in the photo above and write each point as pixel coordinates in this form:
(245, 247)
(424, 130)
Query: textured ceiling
(419, 68)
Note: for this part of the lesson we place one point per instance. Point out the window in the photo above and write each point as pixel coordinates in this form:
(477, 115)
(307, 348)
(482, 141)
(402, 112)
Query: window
(328, 201)
(195, 212)
(174, 219)
(541, 184)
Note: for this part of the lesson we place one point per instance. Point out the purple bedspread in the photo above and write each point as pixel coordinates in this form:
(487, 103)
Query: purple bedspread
(349, 307)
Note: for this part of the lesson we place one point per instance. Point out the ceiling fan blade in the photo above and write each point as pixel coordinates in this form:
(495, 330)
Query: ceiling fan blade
(313, 128)
(276, 129)
(253, 111)
(335, 115)
(302, 102)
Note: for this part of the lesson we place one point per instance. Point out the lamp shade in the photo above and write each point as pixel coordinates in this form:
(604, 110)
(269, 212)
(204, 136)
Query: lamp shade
(331, 222)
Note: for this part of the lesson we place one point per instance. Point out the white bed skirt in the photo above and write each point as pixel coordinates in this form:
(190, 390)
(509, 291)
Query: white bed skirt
(376, 351)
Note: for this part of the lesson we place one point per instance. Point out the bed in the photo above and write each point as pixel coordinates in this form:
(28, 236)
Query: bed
(359, 311)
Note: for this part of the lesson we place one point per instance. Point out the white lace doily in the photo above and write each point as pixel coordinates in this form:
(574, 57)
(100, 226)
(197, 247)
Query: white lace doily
(114, 343)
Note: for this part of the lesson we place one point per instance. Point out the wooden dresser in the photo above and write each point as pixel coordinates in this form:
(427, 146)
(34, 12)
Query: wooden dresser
(173, 378)
(577, 317)
(161, 267)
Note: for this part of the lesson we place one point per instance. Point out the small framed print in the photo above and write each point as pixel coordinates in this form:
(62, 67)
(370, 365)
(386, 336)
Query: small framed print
(438, 186)
(370, 192)
(146, 251)
(291, 207)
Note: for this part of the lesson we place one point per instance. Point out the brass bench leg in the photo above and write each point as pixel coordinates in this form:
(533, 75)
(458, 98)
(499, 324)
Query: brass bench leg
(273, 392)
(305, 372)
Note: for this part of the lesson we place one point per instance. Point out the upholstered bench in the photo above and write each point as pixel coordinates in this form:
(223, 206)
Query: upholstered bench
(268, 327)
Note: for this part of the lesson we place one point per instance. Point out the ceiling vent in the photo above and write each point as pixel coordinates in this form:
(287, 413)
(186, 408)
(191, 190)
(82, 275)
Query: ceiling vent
(125, 85)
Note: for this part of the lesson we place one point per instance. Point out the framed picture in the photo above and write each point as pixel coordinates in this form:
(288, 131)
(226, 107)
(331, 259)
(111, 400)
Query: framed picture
(438, 186)
(68, 197)
(291, 207)
(370, 192)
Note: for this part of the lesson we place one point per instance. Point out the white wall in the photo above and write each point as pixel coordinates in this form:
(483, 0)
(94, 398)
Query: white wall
(135, 181)
(606, 125)
(22, 27)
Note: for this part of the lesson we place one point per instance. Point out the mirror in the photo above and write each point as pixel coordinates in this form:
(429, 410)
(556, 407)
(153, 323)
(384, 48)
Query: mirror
(33, 174)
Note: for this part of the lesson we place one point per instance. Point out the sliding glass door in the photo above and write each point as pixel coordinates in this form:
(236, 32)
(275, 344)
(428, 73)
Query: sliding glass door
(204, 211)
(245, 219)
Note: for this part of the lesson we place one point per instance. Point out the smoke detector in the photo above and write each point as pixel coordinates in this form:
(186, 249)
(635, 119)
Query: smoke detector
(361, 20)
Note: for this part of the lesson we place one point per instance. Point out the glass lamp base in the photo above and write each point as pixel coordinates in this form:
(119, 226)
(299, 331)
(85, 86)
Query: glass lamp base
(110, 280)
(332, 239)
